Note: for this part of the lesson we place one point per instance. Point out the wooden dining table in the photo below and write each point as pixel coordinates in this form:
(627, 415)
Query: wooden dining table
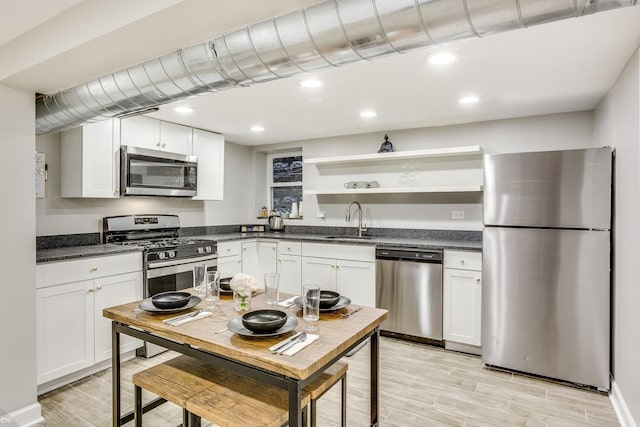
(248, 355)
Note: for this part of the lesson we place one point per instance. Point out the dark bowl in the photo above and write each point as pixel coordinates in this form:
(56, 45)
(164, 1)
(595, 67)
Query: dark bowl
(264, 321)
(328, 299)
(171, 299)
(225, 283)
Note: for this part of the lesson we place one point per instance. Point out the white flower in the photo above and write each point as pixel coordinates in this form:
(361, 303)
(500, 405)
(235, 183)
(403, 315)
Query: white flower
(244, 284)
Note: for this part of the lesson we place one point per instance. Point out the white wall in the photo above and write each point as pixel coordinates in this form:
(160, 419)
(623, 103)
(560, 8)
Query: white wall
(17, 257)
(432, 211)
(617, 123)
(56, 215)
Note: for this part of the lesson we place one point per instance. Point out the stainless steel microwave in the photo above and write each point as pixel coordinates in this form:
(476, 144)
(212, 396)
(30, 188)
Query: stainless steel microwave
(145, 172)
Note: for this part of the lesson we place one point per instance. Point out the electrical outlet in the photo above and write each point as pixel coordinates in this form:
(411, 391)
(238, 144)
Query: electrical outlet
(457, 214)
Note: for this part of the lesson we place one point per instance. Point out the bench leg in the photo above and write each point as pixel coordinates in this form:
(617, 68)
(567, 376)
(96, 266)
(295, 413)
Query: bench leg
(192, 419)
(138, 406)
(343, 419)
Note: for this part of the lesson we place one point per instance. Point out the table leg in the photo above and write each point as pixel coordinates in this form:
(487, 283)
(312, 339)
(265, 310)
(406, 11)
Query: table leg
(115, 374)
(295, 412)
(374, 376)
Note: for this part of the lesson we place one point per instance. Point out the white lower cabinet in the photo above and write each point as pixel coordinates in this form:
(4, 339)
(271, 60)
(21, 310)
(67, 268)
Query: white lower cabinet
(290, 266)
(229, 258)
(347, 269)
(259, 257)
(462, 305)
(71, 332)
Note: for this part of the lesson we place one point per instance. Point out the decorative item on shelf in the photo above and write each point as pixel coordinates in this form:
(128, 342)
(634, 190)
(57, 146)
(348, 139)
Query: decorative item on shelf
(294, 210)
(264, 212)
(252, 228)
(242, 285)
(386, 146)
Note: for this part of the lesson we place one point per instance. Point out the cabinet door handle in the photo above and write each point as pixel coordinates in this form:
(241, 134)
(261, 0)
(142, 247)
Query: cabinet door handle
(94, 268)
(158, 144)
(477, 280)
(228, 249)
(461, 261)
(99, 287)
(164, 145)
(91, 290)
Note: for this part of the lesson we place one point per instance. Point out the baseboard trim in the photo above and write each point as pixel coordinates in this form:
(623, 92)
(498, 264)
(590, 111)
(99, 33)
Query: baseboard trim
(25, 417)
(619, 405)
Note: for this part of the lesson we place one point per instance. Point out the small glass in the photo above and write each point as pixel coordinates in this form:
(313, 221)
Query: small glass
(311, 306)
(271, 285)
(213, 289)
(199, 279)
(242, 299)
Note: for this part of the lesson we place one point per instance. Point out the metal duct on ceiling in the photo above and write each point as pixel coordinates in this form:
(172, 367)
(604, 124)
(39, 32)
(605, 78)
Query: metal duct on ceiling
(328, 34)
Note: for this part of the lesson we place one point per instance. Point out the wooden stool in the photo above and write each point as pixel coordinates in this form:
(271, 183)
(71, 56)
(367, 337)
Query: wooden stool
(227, 399)
(176, 381)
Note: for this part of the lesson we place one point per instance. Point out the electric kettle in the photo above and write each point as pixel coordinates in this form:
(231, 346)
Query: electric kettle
(276, 223)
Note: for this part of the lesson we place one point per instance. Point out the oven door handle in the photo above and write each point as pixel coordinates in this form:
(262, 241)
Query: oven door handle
(164, 268)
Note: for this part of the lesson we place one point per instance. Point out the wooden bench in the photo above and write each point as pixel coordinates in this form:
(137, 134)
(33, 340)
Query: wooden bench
(227, 399)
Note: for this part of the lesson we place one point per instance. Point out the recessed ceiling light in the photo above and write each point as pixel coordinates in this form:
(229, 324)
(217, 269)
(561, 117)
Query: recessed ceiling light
(311, 83)
(442, 58)
(257, 128)
(469, 99)
(368, 113)
(183, 110)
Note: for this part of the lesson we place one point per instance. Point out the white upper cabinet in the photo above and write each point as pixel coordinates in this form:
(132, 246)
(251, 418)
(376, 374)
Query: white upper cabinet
(156, 135)
(90, 160)
(209, 148)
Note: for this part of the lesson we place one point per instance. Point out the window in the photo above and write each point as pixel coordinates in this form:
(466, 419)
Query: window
(284, 177)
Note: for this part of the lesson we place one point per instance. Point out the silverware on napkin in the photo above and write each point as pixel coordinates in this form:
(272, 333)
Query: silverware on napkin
(287, 342)
(349, 314)
(185, 316)
(300, 338)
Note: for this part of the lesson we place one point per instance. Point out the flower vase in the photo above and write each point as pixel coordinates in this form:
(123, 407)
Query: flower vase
(242, 301)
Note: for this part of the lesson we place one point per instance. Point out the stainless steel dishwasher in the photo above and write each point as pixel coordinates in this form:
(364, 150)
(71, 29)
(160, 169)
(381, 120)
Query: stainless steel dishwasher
(409, 285)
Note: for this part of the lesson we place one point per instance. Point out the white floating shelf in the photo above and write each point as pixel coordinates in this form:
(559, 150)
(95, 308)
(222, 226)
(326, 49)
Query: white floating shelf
(398, 155)
(397, 190)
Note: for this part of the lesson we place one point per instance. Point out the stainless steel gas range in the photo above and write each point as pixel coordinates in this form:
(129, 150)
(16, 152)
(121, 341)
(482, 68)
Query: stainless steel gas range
(168, 259)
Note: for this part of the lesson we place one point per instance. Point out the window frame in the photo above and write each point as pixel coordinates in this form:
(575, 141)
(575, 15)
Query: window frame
(269, 177)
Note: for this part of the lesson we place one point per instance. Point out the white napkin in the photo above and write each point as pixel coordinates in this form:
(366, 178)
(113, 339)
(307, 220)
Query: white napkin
(200, 315)
(287, 303)
(298, 346)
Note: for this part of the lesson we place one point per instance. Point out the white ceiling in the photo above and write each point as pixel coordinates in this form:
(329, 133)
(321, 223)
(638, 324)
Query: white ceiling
(559, 67)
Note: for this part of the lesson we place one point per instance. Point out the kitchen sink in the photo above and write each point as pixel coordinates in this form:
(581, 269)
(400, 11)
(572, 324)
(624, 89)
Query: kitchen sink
(349, 237)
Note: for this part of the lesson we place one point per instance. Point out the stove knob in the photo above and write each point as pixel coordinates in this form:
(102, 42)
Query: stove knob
(161, 255)
(200, 250)
(208, 249)
(172, 254)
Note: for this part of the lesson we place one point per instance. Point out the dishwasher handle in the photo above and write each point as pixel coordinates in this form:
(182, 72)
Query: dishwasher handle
(409, 255)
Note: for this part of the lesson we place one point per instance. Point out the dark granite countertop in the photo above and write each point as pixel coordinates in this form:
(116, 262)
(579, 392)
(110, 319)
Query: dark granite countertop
(74, 252)
(373, 241)
(455, 242)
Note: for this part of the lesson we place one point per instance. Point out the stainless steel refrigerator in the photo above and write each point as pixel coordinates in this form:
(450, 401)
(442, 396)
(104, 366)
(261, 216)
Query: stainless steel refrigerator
(546, 264)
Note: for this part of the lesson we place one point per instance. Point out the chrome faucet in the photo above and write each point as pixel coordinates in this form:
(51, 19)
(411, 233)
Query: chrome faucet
(361, 227)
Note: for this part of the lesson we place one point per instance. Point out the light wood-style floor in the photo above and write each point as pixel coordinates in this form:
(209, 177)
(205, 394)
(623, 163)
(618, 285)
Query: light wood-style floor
(420, 386)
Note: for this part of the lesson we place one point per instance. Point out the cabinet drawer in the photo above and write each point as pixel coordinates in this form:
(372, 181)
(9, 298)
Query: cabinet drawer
(86, 269)
(286, 247)
(350, 252)
(229, 248)
(463, 260)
